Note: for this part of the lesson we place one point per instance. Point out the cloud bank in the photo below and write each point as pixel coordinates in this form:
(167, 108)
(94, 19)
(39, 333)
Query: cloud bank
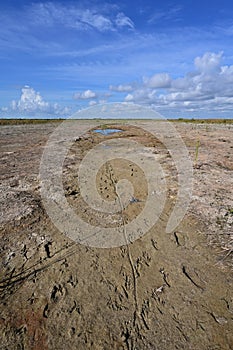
(209, 87)
(207, 90)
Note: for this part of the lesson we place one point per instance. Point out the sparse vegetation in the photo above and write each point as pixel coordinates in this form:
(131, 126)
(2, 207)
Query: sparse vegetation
(20, 121)
(203, 121)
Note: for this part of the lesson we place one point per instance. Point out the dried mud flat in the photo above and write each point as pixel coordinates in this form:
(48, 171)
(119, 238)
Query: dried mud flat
(163, 291)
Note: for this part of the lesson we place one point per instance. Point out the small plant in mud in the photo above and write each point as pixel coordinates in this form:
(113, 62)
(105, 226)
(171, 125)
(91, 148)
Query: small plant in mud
(230, 211)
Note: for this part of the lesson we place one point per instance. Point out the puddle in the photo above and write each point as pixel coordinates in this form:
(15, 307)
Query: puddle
(107, 131)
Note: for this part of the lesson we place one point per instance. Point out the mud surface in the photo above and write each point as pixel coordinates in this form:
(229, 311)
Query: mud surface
(163, 291)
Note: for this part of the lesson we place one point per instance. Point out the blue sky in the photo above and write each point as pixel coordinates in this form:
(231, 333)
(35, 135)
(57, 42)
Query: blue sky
(57, 57)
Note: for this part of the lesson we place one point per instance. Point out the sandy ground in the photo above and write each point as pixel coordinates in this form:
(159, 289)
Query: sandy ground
(162, 291)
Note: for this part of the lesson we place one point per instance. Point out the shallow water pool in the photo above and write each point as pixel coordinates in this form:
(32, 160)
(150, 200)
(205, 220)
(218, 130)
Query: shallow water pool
(107, 131)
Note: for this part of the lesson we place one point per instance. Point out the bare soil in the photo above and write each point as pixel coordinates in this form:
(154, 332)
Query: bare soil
(163, 291)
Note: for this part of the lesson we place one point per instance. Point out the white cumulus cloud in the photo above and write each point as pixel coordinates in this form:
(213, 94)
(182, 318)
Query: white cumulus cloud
(160, 80)
(30, 100)
(85, 95)
(92, 103)
(209, 62)
(31, 103)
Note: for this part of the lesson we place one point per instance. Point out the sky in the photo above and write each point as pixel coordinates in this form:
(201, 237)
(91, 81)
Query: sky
(57, 57)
